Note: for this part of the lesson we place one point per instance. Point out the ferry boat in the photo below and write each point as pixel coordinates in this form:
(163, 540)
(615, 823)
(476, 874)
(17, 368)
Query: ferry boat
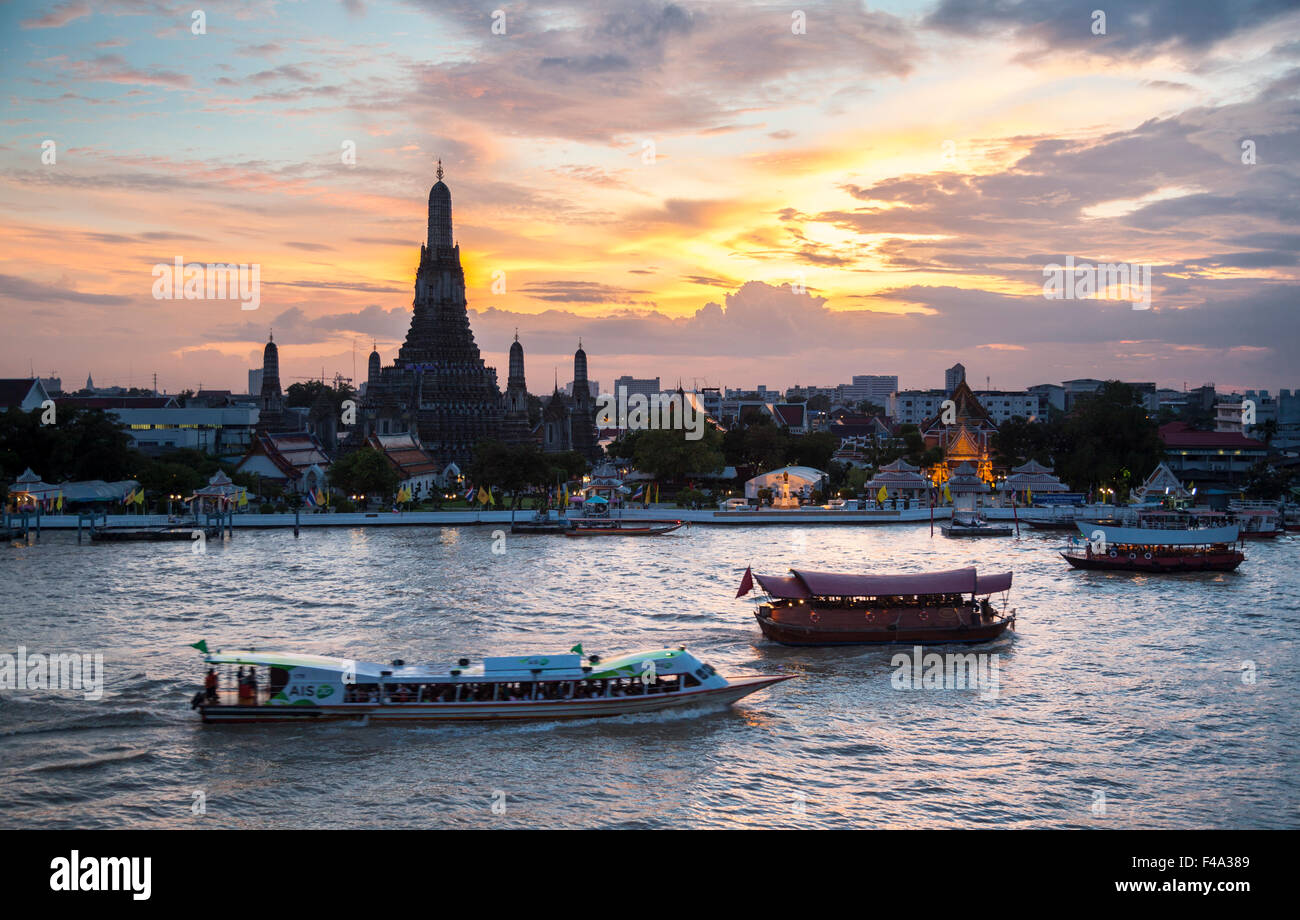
(829, 608)
(1257, 520)
(313, 688)
(1160, 541)
(973, 525)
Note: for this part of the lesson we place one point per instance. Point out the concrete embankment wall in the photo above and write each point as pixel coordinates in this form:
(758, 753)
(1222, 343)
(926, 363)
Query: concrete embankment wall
(816, 516)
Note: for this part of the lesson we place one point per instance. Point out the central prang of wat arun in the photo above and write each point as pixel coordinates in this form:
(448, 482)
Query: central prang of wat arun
(438, 387)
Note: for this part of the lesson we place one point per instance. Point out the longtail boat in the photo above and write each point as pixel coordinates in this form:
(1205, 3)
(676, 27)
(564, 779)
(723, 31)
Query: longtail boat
(315, 688)
(1160, 542)
(828, 608)
(616, 527)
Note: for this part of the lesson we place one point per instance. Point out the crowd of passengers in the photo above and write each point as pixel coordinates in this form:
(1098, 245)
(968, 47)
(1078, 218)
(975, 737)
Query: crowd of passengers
(513, 691)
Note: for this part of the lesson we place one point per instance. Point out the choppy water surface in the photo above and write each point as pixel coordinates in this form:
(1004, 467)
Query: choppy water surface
(1127, 687)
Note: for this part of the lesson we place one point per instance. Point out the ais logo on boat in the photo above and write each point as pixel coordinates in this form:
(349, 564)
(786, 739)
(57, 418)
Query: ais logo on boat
(310, 690)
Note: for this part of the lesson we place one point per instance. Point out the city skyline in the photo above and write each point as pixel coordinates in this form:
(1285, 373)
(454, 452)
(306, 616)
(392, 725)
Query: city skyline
(653, 179)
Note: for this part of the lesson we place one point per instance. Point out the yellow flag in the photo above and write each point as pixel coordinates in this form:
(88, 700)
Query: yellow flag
(947, 496)
(59, 504)
(491, 500)
(243, 498)
(139, 497)
(482, 496)
(1029, 496)
(882, 495)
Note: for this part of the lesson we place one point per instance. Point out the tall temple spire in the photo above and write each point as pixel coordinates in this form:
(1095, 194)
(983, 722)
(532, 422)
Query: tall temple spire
(438, 388)
(440, 236)
(516, 388)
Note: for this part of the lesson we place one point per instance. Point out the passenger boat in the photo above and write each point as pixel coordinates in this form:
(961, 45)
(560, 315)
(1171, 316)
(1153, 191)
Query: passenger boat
(617, 527)
(1162, 541)
(828, 608)
(973, 525)
(1257, 520)
(312, 688)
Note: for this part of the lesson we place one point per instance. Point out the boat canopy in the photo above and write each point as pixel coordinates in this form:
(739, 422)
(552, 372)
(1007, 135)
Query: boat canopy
(803, 585)
(1157, 536)
(993, 584)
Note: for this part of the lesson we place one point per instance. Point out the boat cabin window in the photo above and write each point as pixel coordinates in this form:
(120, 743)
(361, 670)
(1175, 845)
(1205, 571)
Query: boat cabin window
(361, 693)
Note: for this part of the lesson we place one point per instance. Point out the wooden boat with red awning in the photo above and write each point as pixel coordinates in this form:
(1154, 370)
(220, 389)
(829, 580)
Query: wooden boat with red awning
(829, 608)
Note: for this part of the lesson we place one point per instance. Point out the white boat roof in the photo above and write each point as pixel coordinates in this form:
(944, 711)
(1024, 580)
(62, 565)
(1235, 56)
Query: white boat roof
(1158, 536)
(555, 666)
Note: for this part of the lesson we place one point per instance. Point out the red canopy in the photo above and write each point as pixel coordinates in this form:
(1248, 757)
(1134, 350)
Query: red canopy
(802, 584)
(785, 587)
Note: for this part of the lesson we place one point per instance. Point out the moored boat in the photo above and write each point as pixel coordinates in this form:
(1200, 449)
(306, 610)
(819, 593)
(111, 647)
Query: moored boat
(308, 688)
(616, 527)
(828, 608)
(118, 534)
(973, 525)
(542, 523)
(1160, 542)
(1257, 520)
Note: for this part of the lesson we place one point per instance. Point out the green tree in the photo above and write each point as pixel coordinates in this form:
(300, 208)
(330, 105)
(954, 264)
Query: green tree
(307, 392)
(1018, 441)
(814, 450)
(1267, 483)
(365, 471)
(765, 445)
(509, 467)
(669, 454)
(1108, 440)
(80, 444)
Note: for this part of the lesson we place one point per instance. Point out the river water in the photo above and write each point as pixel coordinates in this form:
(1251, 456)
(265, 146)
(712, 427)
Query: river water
(1122, 701)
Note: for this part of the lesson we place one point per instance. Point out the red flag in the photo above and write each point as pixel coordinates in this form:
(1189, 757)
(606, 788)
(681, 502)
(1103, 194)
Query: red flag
(746, 583)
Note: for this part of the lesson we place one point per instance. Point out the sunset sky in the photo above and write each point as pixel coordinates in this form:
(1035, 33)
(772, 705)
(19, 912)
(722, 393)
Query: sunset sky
(653, 179)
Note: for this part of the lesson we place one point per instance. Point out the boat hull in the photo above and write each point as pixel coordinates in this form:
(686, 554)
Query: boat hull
(949, 531)
(150, 534)
(1050, 525)
(494, 711)
(906, 633)
(1201, 562)
(545, 528)
(581, 531)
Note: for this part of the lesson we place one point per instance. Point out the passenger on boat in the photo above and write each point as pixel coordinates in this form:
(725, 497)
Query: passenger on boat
(210, 686)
